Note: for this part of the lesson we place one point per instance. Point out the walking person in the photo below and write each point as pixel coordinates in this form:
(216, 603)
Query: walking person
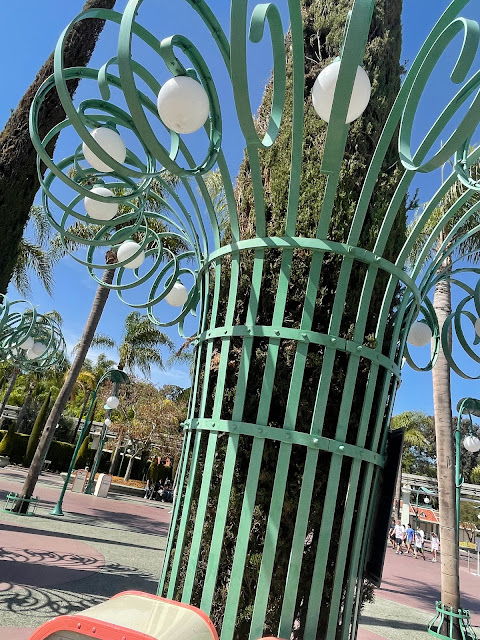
(399, 534)
(419, 543)
(410, 539)
(435, 545)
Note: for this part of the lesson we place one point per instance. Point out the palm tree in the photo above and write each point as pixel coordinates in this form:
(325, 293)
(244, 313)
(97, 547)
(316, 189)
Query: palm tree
(412, 422)
(442, 401)
(18, 159)
(140, 344)
(139, 348)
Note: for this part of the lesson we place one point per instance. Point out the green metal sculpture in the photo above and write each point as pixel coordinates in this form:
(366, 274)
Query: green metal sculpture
(236, 473)
(29, 340)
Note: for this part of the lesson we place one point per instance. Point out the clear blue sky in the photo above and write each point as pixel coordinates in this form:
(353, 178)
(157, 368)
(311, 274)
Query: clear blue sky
(25, 44)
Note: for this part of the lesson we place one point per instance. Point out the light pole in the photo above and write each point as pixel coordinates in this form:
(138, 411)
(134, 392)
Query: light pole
(302, 319)
(117, 377)
(471, 442)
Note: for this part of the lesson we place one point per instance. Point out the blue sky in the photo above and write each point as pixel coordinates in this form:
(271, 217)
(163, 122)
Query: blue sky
(25, 44)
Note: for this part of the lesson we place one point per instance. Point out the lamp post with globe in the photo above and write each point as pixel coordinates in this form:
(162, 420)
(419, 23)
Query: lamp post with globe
(117, 377)
(471, 442)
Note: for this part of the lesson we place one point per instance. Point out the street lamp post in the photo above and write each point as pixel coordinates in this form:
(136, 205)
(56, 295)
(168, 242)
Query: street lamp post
(471, 442)
(313, 392)
(117, 377)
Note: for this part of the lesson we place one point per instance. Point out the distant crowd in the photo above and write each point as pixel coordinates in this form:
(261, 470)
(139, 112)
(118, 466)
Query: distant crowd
(406, 539)
(157, 491)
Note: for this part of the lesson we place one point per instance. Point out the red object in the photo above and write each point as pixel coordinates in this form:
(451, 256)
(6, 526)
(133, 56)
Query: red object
(94, 628)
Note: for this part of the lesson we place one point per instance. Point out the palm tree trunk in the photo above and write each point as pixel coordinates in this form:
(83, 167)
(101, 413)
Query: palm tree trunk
(96, 311)
(128, 472)
(442, 403)
(116, 456)
(8, 393)
(18, 158)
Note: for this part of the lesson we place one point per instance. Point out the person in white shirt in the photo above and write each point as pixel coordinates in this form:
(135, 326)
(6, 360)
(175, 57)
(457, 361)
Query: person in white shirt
(399, 536)
(419, 535)
(435, 545)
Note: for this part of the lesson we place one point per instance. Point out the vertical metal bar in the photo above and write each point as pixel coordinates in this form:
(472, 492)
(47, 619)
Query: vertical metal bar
(243, 536)
(219, 526)
(185, 517)
(199, 518)
(298, 544)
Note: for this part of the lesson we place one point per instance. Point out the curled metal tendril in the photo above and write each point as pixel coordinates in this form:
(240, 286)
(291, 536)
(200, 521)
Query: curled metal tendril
(171, 234)
(20, 322)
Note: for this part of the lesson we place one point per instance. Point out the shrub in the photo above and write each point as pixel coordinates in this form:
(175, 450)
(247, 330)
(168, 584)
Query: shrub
(60, 454)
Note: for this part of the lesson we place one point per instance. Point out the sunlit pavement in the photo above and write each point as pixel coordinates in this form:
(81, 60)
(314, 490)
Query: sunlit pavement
(52, 565)
(405, 603)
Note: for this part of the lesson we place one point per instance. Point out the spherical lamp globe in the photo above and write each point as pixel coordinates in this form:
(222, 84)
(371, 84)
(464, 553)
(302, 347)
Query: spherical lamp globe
(101, 210)
(476, 326)
(112, 402)
(39, 349)
(111, 142)
(108, 422)
(177, 296)
(471, 443)
(426, 500)
(183, 104)
(324, 90)
(128, 249)
(27, 343)
(420, 334)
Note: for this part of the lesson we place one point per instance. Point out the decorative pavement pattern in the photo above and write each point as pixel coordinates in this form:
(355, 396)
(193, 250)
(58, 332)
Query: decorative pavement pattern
(51, 566)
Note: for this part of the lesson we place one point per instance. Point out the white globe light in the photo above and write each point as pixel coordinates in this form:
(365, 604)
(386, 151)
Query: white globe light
(111, 142)
(112, 402)
(324, 90)
(177, 296)
(426, 500)
(27, 344)
(183, 104)
(472, 444)
(108, 422)
(101, 210)
(38, 349)
(30, 354)
(476, 326)
(126, 250)
(419, 335)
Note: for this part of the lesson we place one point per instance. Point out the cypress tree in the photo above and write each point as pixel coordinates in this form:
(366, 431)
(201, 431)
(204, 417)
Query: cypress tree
(37, 431)
(8, 440)
(324, 24)
(84, 453)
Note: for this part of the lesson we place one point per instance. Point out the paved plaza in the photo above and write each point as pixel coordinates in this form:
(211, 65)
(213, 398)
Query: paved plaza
(52, 565)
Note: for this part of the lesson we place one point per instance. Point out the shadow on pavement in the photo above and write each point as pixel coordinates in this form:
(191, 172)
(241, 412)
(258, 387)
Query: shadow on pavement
(91, 540)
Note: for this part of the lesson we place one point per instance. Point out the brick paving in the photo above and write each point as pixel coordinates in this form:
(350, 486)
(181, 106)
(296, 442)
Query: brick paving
(52, 565)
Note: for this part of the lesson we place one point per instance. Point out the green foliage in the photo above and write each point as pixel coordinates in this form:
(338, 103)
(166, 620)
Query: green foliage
(153, 470)
(418, 454)
(85, 454)
(469, 512)
(475, 475)
(8, 440)
(60, 454)
(37, 431)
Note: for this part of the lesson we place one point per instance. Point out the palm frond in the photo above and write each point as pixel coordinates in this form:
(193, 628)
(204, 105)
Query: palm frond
(31, 257)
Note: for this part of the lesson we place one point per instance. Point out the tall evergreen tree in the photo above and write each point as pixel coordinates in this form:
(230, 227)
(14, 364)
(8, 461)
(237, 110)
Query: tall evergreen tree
(324, 24)
(37, 431)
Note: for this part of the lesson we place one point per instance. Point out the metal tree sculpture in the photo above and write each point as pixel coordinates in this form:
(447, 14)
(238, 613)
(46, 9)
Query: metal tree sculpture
(227, 475)
(29, 340)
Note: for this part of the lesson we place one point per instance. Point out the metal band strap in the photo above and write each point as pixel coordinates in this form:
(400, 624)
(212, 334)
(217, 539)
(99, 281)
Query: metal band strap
(285, 435)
